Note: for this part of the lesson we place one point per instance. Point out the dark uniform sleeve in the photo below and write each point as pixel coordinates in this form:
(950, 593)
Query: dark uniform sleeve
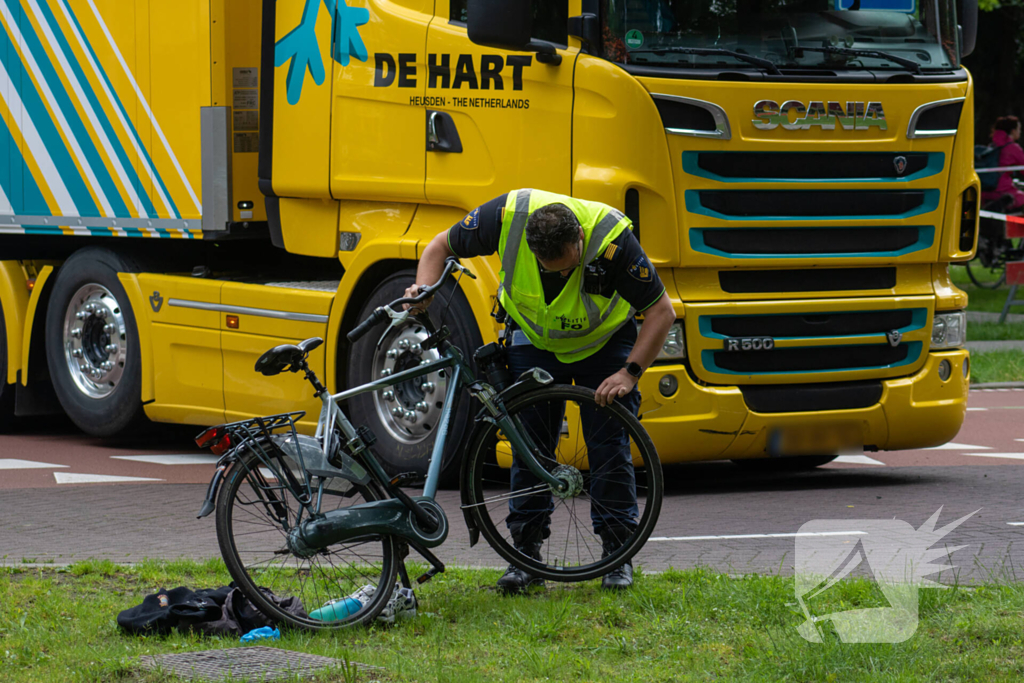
(479, 233)
(630, 273)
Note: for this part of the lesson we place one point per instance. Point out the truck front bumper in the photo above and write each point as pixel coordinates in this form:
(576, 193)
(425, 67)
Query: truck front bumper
(711, 422)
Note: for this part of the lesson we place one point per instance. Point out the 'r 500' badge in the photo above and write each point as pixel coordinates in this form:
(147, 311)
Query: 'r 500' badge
(749, 344)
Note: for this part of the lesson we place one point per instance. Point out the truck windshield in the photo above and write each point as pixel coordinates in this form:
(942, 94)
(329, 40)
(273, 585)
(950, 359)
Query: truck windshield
(767, 35)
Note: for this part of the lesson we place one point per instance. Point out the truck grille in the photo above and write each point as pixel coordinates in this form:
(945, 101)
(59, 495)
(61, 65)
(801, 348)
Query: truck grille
(812, 359)
(813, 324)
(814, 166)
(837, 344)
(784, 204)
(809, 280)
(813, 241)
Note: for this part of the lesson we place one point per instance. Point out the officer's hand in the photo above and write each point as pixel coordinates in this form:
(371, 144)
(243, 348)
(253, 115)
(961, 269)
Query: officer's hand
(414, 290)
(616, 386)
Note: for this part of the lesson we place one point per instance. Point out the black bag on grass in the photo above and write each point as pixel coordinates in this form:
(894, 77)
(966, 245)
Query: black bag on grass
(217, 611)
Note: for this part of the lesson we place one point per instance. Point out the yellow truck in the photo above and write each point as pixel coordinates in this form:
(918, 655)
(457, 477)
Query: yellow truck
(191, 182)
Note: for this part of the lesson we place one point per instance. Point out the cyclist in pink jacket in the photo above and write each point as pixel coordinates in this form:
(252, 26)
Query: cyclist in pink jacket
(1005, 134)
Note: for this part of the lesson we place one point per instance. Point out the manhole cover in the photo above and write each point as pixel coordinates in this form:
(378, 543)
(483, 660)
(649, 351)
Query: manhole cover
(244, 664)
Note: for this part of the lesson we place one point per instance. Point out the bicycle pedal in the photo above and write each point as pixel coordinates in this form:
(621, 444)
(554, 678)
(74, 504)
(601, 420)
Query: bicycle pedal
(407, 479)
(431, 573)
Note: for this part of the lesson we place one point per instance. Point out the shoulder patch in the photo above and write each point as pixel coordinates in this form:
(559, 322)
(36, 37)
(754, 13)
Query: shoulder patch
(609, 253)
(641, 270)
(472, 220)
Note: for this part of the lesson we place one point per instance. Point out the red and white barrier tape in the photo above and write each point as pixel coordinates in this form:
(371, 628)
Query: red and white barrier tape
(1019, 220)
(999, 169)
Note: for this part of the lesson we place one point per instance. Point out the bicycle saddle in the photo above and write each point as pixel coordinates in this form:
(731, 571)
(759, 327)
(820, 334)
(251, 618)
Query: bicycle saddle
(286, 357)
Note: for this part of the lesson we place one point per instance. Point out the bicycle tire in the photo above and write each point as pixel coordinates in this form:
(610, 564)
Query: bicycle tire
(984, 284)
(247, 470)
(483, 473)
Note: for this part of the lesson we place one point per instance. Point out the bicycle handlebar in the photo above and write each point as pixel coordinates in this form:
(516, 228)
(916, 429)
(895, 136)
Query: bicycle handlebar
(380, 314)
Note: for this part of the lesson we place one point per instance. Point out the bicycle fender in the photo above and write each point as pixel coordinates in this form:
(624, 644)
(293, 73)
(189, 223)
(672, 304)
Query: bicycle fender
(316, 462)
(534, 378)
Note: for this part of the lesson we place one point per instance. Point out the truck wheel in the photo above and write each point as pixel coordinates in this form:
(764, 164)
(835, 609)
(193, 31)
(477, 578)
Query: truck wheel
(797, 463)
(405, 418)
(92, 344)
(6, 390)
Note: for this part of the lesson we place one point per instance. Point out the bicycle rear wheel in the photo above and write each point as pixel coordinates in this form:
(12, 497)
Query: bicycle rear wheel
(255, 512)
(572, 550)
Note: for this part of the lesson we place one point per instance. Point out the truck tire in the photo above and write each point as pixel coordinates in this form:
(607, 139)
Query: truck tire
(797, 463)
(92, 344)
(6, 390)
(404, 442)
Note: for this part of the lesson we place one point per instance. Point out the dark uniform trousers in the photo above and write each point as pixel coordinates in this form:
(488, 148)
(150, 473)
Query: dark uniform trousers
(612, 481)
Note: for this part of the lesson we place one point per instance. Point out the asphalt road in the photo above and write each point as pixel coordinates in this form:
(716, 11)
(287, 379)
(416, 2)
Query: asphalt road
(65, 496)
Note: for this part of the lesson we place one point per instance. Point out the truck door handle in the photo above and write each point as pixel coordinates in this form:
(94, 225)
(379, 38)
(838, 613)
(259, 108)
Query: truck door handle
(442, 136)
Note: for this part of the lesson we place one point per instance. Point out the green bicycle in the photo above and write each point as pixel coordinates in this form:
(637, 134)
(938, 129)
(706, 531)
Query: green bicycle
(318, 517)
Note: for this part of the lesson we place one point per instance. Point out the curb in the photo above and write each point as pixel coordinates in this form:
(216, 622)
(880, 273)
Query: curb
(998, 385)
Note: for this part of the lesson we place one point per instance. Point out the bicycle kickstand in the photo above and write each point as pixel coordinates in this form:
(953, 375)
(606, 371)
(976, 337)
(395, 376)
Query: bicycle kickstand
(403, 573)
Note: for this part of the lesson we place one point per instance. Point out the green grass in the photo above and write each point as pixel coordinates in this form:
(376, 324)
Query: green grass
(994, 331)
(675, 626)
(997, 366)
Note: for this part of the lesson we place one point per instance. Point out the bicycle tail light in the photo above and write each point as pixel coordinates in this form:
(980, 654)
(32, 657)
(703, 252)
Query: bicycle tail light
(216, 439)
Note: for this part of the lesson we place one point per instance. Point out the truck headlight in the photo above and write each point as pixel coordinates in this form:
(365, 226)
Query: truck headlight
(675, 343)
(949, 330)
(674, 347)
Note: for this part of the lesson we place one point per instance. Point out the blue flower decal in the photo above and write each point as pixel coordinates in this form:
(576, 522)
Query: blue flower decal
(347, 42)
(301, 48)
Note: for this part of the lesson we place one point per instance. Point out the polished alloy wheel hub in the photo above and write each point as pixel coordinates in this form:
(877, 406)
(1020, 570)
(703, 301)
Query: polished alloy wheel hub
(410, 411)
(95, 341)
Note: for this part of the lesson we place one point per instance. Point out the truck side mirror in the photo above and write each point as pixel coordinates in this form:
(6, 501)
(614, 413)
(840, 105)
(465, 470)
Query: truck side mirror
(967, 16)
(507, 25)
(504, 24)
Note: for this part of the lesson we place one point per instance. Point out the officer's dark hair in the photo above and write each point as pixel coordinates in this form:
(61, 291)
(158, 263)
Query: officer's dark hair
(550, 230)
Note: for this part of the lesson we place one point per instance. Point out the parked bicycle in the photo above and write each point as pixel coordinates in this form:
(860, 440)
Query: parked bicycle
(988, 268)
(318, 517)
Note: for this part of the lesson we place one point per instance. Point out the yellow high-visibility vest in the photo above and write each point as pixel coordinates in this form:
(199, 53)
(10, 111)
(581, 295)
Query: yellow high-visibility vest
(576, 324)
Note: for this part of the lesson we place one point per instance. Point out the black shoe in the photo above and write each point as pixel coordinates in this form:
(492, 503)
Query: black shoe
(621, 577)
(516, 580)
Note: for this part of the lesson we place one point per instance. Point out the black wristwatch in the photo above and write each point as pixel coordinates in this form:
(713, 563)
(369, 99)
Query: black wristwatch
(635, 370)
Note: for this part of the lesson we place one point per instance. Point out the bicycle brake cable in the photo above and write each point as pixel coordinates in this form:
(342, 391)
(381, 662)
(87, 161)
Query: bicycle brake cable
(448, 303)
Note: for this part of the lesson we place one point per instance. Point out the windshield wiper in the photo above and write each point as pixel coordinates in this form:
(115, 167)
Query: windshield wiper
(853, 52)
(749, 59)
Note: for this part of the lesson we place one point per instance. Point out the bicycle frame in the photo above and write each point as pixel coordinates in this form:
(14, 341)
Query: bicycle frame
(401, 515)
(462, 376)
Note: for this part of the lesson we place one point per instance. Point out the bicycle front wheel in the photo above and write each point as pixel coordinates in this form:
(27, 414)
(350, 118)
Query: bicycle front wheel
(255, 513)
(597, 525)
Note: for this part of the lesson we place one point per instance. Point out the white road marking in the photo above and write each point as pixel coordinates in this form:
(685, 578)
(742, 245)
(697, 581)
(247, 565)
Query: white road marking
(1018, 439)
(1009, 456)
(191, 459)
(970, 409)
(858, 460)
(958, 447)
(72, 478)
(792, 535)
(16, 464)
(1016, 523)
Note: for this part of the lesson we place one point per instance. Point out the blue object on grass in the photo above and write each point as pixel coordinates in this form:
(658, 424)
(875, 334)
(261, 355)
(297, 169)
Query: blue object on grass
(337, 610)
(262, 633)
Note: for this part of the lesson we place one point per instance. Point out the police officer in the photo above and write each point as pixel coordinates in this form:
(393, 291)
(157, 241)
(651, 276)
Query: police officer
(573, 277)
